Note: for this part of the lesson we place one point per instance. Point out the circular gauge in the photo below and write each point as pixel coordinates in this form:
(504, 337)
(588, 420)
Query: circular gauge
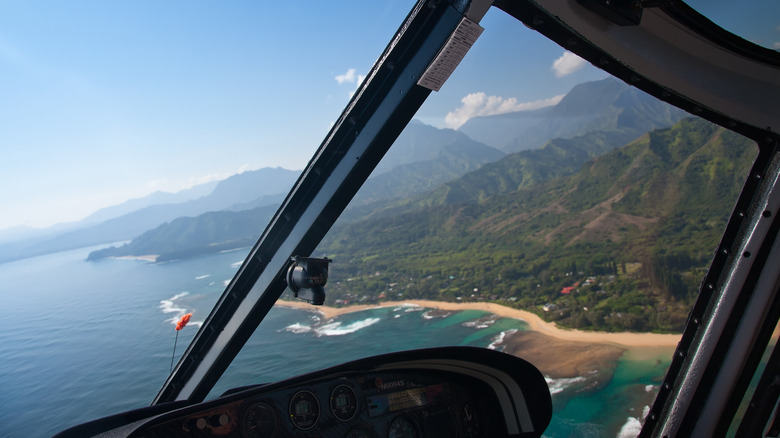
(304, 410)
(402, 427)
(343, 402)
(259, 421)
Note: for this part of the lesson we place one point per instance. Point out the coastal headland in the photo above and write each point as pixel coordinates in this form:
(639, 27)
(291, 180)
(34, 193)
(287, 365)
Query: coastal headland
(556, 351)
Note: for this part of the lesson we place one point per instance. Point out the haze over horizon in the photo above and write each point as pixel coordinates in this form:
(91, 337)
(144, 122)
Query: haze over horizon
(110, 102)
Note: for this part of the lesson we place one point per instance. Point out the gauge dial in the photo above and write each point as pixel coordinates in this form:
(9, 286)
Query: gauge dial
(304, 410)
(259, 421)
(402, 427)
(343, 402)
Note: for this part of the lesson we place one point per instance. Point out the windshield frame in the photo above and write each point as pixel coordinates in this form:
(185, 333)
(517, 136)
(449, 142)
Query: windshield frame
(380, 109)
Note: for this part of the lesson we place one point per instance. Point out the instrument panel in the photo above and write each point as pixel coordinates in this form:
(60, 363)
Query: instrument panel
(448, 392)
(397, 404)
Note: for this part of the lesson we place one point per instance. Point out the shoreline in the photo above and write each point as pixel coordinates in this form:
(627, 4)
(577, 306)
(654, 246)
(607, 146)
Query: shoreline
(536, 323)
(147, 258)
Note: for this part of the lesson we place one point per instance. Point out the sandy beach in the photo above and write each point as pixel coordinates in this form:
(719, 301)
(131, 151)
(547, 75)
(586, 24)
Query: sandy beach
(537, 324)
(557, 352)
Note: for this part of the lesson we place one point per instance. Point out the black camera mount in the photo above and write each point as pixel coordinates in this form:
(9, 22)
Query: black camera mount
(307, 277)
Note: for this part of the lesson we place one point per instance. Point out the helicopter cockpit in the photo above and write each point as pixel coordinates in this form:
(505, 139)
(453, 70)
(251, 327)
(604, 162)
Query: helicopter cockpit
(664, 48)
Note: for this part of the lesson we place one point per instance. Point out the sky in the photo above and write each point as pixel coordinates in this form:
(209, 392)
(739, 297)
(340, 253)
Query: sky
(101, 102)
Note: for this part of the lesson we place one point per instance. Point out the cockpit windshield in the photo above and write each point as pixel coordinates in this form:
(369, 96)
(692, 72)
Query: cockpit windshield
(535, 205)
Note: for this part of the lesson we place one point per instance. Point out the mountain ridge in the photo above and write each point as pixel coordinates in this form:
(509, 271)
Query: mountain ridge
(604, 105)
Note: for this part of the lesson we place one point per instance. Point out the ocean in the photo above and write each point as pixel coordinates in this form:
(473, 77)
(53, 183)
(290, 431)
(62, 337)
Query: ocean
(81, 340)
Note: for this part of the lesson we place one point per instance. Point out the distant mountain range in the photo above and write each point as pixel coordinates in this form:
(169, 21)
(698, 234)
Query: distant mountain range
(153, 199)
(126, 221)
(426, 166)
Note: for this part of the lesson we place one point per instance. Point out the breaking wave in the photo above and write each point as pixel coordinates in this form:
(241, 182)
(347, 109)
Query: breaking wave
(409, 307)
(431, 314)
(168, 306)
(336, 329)
(331, 328)
(631, 429)
(498, 340)
(482, 323)
(201, 277)
(298, 328)
(559, 385)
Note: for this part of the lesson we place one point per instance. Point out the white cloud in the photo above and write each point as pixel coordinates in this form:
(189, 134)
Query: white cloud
(348, 77)
(567, 64)
(480, 104)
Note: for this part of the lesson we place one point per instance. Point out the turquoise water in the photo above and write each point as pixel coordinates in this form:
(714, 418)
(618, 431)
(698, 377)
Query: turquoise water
(83, 340)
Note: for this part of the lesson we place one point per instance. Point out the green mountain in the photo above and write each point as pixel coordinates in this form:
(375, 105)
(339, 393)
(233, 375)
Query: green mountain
(557, 157)
(608, 105)
(631, 233)
(191, 236)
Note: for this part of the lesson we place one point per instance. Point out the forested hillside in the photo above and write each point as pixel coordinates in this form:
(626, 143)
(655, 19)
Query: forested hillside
(187, 236)
(619, 245)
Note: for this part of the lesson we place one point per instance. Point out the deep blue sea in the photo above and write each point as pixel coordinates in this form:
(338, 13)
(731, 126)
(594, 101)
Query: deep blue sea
(81, 340)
